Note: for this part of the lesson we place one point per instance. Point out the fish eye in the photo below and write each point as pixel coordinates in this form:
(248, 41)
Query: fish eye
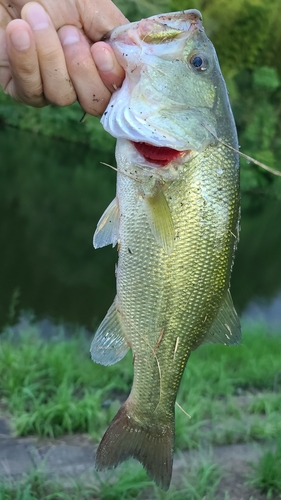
(199, 62)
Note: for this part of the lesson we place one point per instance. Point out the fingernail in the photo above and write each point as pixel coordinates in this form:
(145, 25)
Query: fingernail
(104, 60)
(20, 39)
(68, 35)
(37, 18)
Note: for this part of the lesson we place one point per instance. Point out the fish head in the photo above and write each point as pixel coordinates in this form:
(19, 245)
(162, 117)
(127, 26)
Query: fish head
(173, 95)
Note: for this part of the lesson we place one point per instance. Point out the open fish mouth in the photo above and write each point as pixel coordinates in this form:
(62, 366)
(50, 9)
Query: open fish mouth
(158, 155)
(151, 107)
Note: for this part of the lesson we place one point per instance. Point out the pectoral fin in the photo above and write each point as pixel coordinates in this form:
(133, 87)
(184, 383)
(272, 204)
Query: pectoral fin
(109, 344)
(107, 228)
(160, 220)
(226, 328)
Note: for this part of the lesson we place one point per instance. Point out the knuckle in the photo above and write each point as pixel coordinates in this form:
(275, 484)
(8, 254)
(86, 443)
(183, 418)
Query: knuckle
(94, 109)
(27, 91)
(35, 99)
(79, 61)
(50, 53)
(93, 98)
(61, 99)
(25, 69)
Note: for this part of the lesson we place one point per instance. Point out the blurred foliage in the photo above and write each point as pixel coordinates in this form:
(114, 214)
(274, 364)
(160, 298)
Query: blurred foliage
(137, 9)
(52, 121)
(244, 32)
(247, 38)
(257, 111)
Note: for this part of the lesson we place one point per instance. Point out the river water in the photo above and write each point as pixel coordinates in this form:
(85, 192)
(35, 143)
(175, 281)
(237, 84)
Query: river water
(52, 194)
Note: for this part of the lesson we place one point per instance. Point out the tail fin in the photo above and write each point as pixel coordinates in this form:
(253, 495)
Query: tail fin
(125, 438)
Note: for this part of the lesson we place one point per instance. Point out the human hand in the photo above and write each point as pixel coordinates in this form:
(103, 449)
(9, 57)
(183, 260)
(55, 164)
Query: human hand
(46, 56)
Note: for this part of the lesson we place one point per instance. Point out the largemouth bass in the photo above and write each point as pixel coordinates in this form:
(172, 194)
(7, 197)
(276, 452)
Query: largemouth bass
(175, 219)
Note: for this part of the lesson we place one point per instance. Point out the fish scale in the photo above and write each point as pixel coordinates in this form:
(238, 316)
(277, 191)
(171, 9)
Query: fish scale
(176, 227)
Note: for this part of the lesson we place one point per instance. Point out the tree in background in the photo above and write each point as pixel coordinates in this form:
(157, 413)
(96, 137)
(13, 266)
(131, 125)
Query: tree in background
(247, 38)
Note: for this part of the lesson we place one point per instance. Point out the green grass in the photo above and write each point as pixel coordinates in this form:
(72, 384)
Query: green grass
(200, 480)
(127, 483)
(231, 393)
(266, 474)
(53, 388)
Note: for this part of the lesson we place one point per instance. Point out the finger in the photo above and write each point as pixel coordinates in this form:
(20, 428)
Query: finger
(12, 8)
(5, 73)
(5, 18)
(25, 82)
(92, 94)
(57, 85)
(110, 71)
(99, 18)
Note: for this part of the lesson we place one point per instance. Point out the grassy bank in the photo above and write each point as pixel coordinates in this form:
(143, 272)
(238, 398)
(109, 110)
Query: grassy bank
(231, 393)
(130, 482)
(52, 388)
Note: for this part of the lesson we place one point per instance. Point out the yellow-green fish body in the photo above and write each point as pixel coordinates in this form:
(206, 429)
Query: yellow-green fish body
(176, 226)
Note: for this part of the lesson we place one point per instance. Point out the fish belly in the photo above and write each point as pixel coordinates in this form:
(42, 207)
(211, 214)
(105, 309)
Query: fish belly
(168, 302)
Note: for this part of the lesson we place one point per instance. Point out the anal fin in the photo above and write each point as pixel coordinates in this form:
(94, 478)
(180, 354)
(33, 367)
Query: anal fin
(107, 227)
(160, 220)
(110, 344)
(226, 327)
